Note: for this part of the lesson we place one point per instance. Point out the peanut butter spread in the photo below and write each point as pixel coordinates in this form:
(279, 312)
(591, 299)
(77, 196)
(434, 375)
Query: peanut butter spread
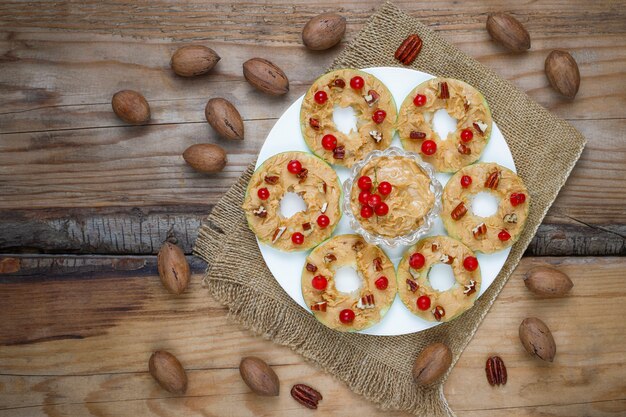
(317, 118)
(369, 303)
(462, 102)
(317, 184)
(414, 283)
(485, 234)
(411, 197)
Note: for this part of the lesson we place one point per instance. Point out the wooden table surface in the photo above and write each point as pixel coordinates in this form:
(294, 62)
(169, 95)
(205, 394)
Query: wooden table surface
(85, 203)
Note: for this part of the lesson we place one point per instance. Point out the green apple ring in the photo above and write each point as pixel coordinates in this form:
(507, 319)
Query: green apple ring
(317, 184)
(316, 119)
(367, 305)
(485, 234)
(464, 103)
(414, 287)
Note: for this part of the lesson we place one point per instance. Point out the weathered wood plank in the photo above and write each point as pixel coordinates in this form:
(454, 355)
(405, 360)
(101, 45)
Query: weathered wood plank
(143, 166)
(96, 63)
(141, 230)
(87, 343)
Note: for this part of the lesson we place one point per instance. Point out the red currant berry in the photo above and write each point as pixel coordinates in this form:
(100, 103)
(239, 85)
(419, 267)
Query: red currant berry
(365, 183)
(294, 166)
(323, 221)
(419, 100)
(320, 97)
(329, 142)
(429, 147)
(319, 282)
(384, 188)
(504, 235)
(367, 212)
(357, 82)
(517, 199)
(417, 260)
(382, 283)
(466, 181)
(263, 193)
(346, 316)
(379, 116)
(381, 209)
(374, 200)
(297, 238)
(470, 263)
(466, 135)
(423, 303)
(364, 197)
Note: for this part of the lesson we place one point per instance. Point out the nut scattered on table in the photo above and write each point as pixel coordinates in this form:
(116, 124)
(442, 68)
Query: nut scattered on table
(168, 372)
(223, 116)
(409, 49)
(562, 72)
(323, 31)
(431, 363)
(496, 371)
(306, 395)
(265, 76)
(537, 339)
(508, 31)
(548, 282)
(131, 106)
(206, 157)
(173, 268)
(192, 60)
(259, 377)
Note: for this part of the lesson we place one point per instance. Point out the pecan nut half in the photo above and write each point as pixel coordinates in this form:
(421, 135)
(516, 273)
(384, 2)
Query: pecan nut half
(438, 312)
(339, 152)
(306, 396)
(409, 49)
(315, 124)
(311, 267)
(378, 264)
(444, 92)
(459, 211)
(272, 179)
(479, 231)
(492, 180)
(411, 285)
(496, 371)
(417, 135)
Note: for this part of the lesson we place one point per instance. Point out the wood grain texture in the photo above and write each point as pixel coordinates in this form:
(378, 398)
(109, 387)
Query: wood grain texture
(77, 330)
(77, 345)
(141, 230)
(52, 130)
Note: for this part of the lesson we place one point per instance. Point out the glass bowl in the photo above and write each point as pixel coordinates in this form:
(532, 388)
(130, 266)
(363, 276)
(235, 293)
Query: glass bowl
(409, 238)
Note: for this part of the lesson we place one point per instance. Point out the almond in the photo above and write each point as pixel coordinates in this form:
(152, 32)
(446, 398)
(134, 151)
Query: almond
(192, 60)
(431, 363)
(537, 339)
(173, 268)
(205, 157)
(548, 282)
(508, 31)
(562, 72)
(131, 107)
(323, 31)
(168, 372)
(259, 376)
(223, 116)
(265, 76)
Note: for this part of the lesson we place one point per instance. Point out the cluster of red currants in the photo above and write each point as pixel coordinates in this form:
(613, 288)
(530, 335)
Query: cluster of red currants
(371, 202)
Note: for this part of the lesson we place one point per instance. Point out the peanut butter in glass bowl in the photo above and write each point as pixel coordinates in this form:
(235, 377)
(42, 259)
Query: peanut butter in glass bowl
(411, 206)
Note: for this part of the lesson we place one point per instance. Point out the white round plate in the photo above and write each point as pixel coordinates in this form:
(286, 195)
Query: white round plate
(287, 267)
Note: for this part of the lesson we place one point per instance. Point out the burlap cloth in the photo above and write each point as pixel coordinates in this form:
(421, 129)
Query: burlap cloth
(545, 149)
